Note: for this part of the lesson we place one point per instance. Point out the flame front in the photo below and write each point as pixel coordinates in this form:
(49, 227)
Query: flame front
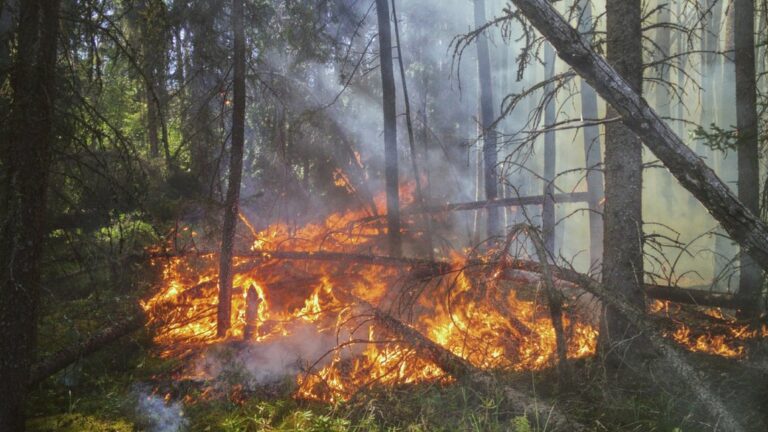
(447, 310)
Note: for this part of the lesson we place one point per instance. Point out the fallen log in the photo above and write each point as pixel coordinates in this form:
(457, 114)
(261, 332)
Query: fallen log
(378, 260)
(697, 297)
(458, 367)
(688, 168)
(510, 271)
(529, 272)
(63, 358)
(698, 386)
(575, 197)
(340, 257)
(638, 318)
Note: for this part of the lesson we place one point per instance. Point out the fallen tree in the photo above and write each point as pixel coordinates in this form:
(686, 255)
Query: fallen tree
(458, 367)
(659, 292)
(693, 174)
(66, 356)
(697, 385)
(675, 294)
(529, 272)
(638, 318)
(575, 197)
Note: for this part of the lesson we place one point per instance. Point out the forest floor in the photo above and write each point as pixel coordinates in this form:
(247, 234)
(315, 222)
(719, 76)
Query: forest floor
(126, 388)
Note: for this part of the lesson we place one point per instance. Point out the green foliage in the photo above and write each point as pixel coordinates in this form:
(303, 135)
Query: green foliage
(78, 423)
(521, 424)
(716, 138)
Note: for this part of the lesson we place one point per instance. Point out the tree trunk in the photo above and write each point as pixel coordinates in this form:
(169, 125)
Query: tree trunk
(750, 276)
(692, 173)
(390, 128)
(490, 157)
(592, 152)
(550, 155)
(623, 229)
(231, 203)
(422, 200)
(725, 162)
(26, 161)
(662, 51)
(198, 126)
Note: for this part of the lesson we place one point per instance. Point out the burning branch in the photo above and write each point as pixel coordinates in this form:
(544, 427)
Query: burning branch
(457, 366)
(554, 302)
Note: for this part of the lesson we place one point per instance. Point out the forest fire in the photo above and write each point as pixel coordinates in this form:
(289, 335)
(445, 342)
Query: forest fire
(723, 336)
(446, 308)
(467, 310)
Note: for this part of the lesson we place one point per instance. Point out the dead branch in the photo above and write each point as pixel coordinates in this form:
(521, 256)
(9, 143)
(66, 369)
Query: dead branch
(555, 305)
(456, 366)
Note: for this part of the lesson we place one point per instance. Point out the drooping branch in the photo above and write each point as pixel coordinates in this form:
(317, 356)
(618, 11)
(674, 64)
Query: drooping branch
(692, 173)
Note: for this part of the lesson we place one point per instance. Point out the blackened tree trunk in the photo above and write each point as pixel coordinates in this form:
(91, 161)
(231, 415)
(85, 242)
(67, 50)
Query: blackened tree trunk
(592, 151)
(750, 279)
(490, 157)
(26, 161)
(623, 226)
(390, 128)
(231, 203)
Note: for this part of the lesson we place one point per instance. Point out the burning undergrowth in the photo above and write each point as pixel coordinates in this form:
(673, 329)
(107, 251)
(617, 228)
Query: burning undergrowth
(308, 303)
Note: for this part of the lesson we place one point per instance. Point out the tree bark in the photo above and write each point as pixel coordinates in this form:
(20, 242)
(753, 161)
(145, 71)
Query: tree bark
(692, 173)
(26, 161)
(550, 154)
(422, 201)
(750, 275)
(592, 151)
(231, 204)
(726, 162)
(623, 225)
(487, 118)
(390, 128)
(202, 80)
